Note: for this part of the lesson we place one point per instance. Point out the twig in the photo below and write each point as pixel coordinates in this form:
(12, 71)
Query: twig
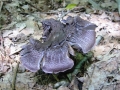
(63, 15)
(98, 39)
(14, 77)
(55, 77)
(33, 6)
(1, 5)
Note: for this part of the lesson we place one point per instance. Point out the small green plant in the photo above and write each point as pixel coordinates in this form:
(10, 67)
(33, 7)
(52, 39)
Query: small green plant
(71, 6)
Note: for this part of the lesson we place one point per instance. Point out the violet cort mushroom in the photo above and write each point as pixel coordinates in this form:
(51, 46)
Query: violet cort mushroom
(56, 59)
(31, 55)
(87, 36)
(50, 27)
(53, 53)
(46, 53)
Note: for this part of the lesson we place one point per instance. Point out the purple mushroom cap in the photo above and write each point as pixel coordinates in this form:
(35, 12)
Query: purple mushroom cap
(59, 40)
(57, 60)
(82, 34)
(30, 57)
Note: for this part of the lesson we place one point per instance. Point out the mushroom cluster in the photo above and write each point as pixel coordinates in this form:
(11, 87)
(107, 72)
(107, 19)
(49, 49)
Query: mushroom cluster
(59, 40)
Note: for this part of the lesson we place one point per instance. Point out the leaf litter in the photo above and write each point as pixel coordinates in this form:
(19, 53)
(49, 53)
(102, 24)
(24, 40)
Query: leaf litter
(103, 74)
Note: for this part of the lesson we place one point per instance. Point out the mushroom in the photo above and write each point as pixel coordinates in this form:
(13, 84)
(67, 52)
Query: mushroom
(81, 34)
(56, 60)
(50, 27)
(52, 55)
(31, 56)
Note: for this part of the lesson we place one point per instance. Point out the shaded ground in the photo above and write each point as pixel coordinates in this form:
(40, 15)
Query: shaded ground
(103, 74)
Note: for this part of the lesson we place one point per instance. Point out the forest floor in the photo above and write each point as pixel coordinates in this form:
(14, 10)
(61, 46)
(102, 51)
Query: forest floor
(103, 74)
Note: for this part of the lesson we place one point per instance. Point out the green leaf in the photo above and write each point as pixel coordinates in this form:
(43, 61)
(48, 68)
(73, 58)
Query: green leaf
(94, 4)
(71, 6)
